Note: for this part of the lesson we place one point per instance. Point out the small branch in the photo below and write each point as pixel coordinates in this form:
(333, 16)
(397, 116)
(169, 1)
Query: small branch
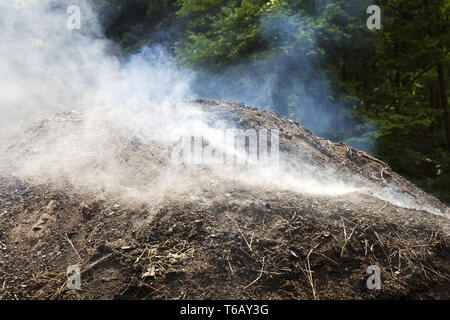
(309, 275)
(382, 175)
(260, 275)
(71, 244)
(249, 245)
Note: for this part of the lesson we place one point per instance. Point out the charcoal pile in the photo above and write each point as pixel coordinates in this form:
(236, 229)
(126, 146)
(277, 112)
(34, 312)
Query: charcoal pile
(138, 227)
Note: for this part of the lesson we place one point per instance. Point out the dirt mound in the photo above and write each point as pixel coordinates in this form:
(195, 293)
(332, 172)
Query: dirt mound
(221, 238)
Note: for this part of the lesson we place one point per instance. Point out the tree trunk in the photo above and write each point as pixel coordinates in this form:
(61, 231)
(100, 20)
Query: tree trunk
(444, 102)
(432, 105)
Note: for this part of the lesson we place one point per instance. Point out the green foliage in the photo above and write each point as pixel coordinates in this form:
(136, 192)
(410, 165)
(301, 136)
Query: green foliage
(219, 32)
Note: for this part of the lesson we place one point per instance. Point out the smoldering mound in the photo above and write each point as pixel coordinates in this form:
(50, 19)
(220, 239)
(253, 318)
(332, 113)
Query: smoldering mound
(78, 189)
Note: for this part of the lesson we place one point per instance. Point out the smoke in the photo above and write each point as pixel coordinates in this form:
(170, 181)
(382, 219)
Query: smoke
(289, 77)
(112, 121)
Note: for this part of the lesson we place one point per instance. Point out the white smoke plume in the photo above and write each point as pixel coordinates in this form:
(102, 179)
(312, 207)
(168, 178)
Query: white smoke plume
(47, 68)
